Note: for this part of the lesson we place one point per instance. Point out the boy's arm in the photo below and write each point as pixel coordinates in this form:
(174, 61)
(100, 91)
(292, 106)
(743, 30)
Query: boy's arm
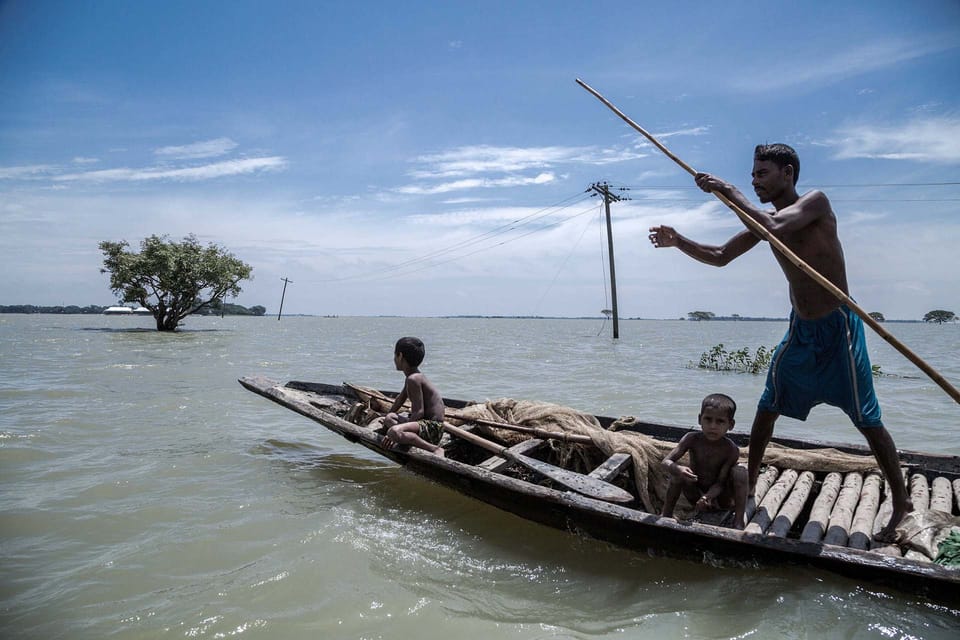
(670, 462)
(401, 398)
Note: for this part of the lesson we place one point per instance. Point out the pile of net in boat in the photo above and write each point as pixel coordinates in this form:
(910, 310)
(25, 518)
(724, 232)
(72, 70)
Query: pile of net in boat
(650, 478)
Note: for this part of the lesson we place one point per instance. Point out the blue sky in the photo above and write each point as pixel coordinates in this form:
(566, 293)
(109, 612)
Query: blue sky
(426, 158)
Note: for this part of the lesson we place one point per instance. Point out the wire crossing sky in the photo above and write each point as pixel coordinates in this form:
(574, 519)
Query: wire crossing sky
(427, 158)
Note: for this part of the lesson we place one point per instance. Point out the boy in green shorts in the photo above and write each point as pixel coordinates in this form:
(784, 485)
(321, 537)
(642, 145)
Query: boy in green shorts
(423, 426)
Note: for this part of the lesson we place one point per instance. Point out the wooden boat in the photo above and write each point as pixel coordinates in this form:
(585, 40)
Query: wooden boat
(789, 525)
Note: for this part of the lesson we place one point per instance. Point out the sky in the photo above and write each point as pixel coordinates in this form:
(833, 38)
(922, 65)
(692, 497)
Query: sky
(433, 159)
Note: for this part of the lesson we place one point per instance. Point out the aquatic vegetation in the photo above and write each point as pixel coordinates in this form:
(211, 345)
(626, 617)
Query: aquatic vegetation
(741, 361)
(719, 359)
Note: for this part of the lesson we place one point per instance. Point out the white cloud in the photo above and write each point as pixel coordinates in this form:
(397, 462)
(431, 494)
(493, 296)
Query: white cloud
(26, 171)
(811, 69)
(196, 150)
(85, 160)
(469, 160)
(691, 131)
(478, 183)
(924, 139)
(204, 172)
(470, 167)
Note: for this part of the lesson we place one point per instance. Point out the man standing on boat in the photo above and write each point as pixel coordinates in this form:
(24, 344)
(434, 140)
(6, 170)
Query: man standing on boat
(823, 357)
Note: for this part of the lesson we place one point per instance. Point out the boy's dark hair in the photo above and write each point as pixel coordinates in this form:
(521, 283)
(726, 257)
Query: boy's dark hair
(411, 349)
(781, 155)
(719, 401)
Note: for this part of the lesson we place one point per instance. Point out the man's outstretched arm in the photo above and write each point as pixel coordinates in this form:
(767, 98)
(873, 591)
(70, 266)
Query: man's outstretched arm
(717, 256)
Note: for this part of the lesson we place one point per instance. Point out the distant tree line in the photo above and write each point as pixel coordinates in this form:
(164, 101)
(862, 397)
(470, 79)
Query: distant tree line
(937, 315)
(29, 308)
(228, 309)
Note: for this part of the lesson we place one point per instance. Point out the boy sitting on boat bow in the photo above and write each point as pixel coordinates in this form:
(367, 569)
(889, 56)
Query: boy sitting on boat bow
(423, 426)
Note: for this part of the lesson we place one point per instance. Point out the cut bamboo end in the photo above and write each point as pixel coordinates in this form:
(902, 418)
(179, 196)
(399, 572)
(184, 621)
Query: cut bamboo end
(791, 509)
(771, 502)
(820, 513)
(838, 529)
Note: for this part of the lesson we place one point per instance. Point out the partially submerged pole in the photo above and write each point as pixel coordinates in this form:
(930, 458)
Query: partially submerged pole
(283, 295)
(603, 189)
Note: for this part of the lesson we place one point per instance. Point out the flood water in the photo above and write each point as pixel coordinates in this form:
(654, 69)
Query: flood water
(146, 494)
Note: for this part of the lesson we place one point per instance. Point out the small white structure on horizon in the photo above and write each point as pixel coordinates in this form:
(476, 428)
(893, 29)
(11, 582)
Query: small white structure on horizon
(117, 311)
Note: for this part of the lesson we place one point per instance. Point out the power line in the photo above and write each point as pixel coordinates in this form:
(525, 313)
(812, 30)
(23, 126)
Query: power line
(825, 186)
(499, 244)
(831, 200)
(488, 235)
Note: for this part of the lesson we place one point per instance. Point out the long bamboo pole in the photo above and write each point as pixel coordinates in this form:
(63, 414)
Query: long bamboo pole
(792, 257)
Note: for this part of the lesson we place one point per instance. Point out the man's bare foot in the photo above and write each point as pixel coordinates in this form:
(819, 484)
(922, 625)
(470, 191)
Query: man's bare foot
(440, 452)
(888, 534)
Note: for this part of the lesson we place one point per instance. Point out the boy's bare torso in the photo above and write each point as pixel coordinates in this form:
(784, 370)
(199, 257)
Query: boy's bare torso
(707, 458)
(430, 399)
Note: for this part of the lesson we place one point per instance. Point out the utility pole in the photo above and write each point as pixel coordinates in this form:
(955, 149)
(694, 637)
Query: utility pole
(282, 295)
(603, 189)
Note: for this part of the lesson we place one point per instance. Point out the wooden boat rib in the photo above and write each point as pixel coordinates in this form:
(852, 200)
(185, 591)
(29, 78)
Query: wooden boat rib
(798, 516)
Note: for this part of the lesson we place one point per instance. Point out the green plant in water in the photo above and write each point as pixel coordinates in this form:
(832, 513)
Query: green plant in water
(719, 359)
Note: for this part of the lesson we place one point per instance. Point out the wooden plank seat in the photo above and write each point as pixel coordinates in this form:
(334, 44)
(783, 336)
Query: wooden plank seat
(612, 467)
(498, 464)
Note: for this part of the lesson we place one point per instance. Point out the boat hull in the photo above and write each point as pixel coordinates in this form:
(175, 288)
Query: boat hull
(625, 526)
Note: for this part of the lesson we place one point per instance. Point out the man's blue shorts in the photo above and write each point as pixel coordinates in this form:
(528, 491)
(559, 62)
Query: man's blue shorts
(823, 361)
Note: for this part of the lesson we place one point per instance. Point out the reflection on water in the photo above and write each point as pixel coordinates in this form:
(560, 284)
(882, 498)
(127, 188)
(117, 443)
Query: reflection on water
(147, 494)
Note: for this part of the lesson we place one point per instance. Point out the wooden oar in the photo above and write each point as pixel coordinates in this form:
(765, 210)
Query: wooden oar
(576, 438)
(792, 257)
(587, 485)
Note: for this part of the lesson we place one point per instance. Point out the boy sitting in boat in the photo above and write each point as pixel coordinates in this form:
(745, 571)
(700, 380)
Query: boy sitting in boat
(423, 426)
(714, 479)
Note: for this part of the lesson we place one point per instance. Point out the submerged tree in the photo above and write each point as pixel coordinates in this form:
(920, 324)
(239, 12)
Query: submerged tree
(701, 315)
(172, 279)
(939, 316)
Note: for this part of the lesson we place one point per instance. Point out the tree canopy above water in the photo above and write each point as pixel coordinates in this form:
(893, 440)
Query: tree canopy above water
(939, 316)
(172, 279)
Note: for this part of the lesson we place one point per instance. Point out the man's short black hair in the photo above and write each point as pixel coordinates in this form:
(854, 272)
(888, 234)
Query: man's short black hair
(411, 349)
(719, 401)
(781, 155)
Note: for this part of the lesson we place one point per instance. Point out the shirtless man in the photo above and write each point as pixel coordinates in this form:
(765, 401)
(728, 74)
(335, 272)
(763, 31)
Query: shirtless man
(423, 426)
(823, 356)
